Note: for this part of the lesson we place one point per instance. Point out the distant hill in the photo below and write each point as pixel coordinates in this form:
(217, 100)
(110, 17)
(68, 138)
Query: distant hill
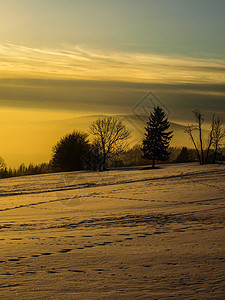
(135, 123)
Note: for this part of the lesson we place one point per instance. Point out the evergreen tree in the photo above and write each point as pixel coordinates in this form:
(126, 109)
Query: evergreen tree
(156, 142)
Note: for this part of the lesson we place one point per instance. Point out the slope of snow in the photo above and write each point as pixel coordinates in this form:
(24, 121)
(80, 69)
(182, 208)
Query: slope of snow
(121, 234)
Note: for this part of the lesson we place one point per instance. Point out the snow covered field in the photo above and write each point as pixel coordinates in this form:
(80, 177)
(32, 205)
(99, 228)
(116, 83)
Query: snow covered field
(122, 234)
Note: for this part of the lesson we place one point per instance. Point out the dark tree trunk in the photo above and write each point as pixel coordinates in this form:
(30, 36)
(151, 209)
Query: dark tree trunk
(196, 148)
(215, 153)
(153, 162)
(201, 144)
(208, 149)
(104, 162)
(153, 159)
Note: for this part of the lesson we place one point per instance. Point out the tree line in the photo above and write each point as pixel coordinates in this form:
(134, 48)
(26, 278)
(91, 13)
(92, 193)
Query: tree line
(108, 146)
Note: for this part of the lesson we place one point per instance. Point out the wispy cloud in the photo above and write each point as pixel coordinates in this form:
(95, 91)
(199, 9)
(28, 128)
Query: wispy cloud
(79, 62)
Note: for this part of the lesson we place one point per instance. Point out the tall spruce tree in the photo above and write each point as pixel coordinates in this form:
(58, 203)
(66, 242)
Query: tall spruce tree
(156, 142)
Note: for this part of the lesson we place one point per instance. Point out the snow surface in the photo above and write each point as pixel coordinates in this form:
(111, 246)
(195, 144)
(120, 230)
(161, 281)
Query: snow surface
(131, 233)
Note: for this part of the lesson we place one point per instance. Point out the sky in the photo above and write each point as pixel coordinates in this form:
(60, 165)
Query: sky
(66, 59)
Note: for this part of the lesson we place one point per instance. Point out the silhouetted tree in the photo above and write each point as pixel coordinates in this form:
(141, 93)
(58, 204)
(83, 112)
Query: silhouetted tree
(210, 138)
(190, 128)
(3, 170)
(218, 136)
(189, 131)
(69, 151)
(2, 164)
(93, 161)
(134, 157)
(183, 156)
(110, 134)
(156, 142)
(200, 120)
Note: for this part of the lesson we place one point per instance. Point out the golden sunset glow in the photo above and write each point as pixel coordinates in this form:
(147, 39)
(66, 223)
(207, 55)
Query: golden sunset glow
(35, 130)
(63, 60)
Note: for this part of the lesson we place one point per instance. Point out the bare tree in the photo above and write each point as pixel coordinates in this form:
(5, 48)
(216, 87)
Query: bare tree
(94, 157)
(217, 136)
(210, 139)
(189, 131)
(200, 119)
(111, 134)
